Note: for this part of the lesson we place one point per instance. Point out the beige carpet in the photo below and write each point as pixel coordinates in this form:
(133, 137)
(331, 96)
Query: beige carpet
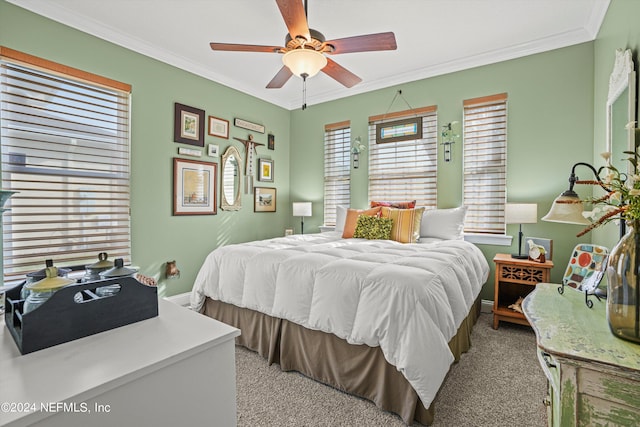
(497, 383)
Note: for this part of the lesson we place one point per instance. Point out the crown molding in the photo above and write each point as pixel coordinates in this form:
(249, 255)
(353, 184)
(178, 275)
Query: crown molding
(98, 29)
(546, 44)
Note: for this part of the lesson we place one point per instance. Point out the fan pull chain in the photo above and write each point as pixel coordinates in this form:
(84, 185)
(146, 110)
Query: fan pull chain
(304, 90)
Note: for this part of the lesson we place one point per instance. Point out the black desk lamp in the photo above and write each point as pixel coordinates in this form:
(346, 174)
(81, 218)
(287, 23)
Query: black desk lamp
(521, 213)
(302, 209)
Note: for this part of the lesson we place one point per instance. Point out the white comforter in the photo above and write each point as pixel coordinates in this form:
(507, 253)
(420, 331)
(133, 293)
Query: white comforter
(409, 299)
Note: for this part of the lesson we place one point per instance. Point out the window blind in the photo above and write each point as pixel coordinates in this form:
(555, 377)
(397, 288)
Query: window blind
(337, 168)
(65, 151)
(405, 170)
(485, 163)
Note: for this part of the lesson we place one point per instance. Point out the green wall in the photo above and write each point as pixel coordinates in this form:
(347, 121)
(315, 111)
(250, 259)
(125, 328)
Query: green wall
(556, 117)
(550, 111)
(620, 29)
(157, 236)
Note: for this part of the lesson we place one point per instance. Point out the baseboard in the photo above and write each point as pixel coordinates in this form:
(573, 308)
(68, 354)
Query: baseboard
(486, 306)
(180, 299)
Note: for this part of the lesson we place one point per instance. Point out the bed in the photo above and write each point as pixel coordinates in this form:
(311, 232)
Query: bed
(376, 318)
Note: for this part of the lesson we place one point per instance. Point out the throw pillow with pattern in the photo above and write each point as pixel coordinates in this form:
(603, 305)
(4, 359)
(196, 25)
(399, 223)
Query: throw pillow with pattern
(371, 227)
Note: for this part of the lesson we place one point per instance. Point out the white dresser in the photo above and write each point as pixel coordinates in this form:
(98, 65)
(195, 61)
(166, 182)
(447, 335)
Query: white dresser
(171, 370)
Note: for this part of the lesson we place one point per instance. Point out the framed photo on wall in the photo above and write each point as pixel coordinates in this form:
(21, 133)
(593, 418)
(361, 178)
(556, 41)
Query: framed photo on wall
(194, 187)
(213, 150)
(265, 170)
(188, 125)
(218, 127)
(264, 199)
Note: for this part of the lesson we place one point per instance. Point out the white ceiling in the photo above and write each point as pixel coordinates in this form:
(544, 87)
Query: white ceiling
(434, 36)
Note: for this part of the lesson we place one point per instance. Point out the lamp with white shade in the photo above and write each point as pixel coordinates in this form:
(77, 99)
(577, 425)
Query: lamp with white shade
(568, 208)
(302, 209)
(521, 213)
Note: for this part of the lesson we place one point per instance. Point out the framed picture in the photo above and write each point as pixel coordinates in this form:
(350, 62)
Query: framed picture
(218, 127)
(214, 150)
(399, 130)
(193, 152)
(271, 141)
(547, 244)
(194, 187)
(188, 125)
(245, 124)
(264, 199)
(265, 170)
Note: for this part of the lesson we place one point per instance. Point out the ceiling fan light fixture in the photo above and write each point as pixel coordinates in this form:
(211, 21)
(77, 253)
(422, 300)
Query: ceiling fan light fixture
(304, 61)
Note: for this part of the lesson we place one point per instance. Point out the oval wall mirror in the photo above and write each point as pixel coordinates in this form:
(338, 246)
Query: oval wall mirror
(230, 182)
(621, 110)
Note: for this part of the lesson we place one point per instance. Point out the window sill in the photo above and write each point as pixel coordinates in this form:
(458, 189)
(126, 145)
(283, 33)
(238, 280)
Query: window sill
(489, 239)
(325, 228)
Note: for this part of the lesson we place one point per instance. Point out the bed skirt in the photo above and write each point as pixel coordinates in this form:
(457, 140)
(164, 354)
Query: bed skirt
(355, 369)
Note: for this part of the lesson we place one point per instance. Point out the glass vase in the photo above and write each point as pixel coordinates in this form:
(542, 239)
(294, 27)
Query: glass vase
(622, 288)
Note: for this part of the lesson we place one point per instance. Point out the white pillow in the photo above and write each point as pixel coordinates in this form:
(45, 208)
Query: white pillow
(443, 223)
(341, 217)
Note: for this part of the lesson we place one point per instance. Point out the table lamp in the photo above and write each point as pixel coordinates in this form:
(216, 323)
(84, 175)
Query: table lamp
(302, 209)
(521, 213)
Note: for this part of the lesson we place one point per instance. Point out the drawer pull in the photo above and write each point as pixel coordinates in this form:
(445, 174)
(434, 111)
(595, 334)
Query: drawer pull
(547, 360)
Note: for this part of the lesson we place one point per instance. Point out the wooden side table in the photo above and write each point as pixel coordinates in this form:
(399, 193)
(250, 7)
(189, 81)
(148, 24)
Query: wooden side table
(515, 278)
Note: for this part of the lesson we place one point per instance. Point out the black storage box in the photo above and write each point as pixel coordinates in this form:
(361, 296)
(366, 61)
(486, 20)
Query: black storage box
(61, 319)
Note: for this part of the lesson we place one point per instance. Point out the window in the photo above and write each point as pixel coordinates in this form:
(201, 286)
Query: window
(65, 150)
(485, 163)
(337, 168)
(405, 170)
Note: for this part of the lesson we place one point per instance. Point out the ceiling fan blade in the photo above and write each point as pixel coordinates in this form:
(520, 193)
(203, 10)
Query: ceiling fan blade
(245, 47)
(280, 78)
(341, 74)
(295, 18)
(365, 43)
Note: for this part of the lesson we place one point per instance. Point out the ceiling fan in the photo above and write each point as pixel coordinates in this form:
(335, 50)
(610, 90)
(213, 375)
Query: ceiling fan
(305, 49)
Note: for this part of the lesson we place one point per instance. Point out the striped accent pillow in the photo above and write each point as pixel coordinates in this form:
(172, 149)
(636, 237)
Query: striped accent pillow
(406, 223)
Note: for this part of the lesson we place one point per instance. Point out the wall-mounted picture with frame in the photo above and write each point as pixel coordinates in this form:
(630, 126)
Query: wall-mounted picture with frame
(188, 125)
(264, 199)
(218, 127)
(194, 187)
(265, 170)
(213, 150)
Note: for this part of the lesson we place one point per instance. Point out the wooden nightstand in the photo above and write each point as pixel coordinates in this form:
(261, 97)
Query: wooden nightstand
(515, 278)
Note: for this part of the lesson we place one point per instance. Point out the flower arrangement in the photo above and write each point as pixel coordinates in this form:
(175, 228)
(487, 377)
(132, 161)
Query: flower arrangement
(622, 197)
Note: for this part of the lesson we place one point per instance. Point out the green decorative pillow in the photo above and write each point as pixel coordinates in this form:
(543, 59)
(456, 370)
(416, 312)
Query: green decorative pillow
(371, 227)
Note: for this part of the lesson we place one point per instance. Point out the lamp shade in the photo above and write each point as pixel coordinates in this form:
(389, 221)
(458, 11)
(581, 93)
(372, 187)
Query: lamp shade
(302, 209)
(304, 61)
(567, 209)
(521, 213)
